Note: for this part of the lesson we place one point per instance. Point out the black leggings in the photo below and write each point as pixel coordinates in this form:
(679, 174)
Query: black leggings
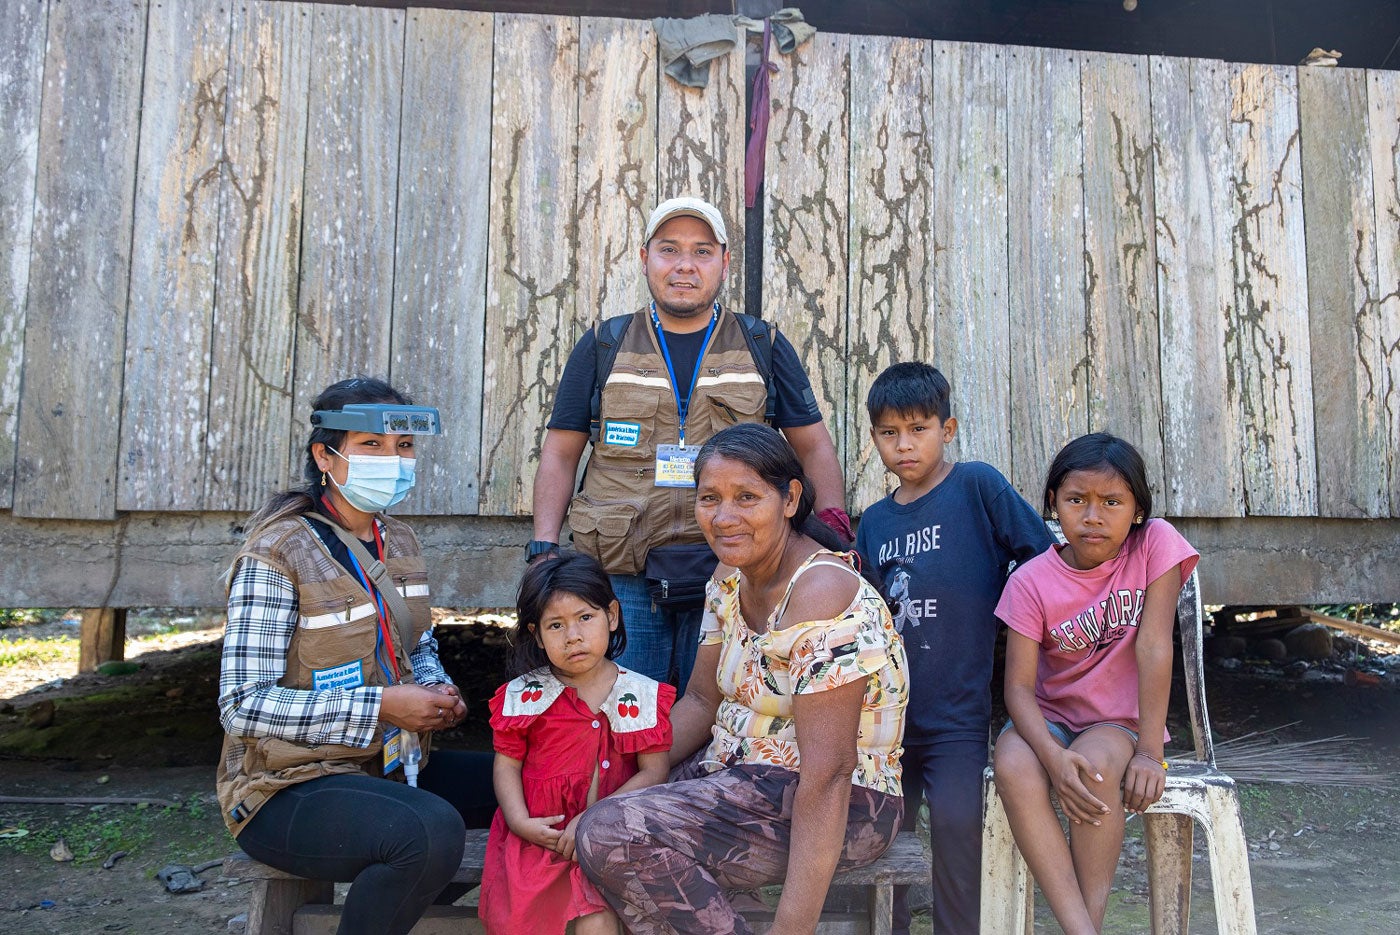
(399, 846)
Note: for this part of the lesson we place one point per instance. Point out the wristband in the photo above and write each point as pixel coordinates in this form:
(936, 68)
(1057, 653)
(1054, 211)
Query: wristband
(1148, 756)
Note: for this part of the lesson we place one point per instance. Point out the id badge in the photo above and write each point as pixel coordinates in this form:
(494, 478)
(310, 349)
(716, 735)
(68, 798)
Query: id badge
(675, 465)
(391, 750)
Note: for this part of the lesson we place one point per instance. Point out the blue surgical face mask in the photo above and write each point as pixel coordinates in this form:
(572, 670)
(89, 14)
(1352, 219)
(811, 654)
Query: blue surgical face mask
(375, 482)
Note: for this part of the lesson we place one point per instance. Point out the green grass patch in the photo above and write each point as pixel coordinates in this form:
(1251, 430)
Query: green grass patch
(29, 651)
(189, 834)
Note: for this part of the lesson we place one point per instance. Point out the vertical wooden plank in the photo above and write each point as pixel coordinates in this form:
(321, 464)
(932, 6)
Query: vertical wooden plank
(700, 135)
(806, 192)
(250, 372)
(345, 301)
(1125, 385)
(531, 268)
(80, 261)
(440, 266)
(1194, 202)
(23, 24)
(175, 242)
(1383, 104)
(1269, 320)
(972, 339)
(1045, 207)
(616, 164)
(101, 637)
(1343, 313)
(889, 317)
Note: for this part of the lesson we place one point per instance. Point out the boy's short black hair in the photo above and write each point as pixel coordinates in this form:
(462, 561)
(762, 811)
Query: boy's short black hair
(910, 389)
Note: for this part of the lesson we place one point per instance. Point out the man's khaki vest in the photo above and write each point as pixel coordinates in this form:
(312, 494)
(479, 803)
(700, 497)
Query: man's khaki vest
(336, 626)
(621, 514)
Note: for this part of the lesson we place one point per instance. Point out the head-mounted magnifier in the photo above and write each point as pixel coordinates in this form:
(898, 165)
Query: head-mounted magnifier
(379, 419)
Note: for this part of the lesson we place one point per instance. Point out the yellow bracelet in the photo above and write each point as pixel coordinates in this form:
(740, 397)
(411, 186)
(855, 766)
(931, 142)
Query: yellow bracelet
(1148, 756)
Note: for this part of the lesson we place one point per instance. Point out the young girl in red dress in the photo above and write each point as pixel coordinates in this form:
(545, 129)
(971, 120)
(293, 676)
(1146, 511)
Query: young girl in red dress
(571, 728)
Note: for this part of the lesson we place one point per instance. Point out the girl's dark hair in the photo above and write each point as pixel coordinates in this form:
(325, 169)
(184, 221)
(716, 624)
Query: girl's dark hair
(764, 451)
(570, 573)
(336, 396)
(1101, 451)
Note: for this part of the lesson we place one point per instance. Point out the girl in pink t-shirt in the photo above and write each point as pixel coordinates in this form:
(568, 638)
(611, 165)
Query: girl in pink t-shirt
(1088, 672)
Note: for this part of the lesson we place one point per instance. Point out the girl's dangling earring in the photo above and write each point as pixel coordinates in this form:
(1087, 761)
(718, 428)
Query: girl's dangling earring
(1138, 521)
(1055, 515)
(323, 478)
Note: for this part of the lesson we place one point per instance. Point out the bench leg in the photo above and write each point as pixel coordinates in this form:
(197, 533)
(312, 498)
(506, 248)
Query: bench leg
(881, 908)
(273, 903)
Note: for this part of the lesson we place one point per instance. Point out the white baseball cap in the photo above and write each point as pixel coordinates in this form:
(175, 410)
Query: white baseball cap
(687, 207)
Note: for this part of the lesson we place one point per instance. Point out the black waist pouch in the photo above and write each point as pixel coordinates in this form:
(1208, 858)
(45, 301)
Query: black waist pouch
(676, 574)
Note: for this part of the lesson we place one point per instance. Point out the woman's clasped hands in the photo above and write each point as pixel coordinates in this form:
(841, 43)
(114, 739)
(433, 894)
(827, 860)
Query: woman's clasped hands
(422, 707)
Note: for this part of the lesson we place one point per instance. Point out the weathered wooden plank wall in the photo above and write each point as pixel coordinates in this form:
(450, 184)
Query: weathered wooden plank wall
(441, 246)
(806, 205)
(80, 261)
(250, 436)
(1383, 100)
(174, 252)
(1049, 361)
(23, 25)
(972, 325)
(1203, 257)
(890, 241)
(1194, 203)
(1343, 310)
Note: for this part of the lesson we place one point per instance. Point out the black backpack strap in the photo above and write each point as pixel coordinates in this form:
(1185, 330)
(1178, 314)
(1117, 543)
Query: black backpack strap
(760, 336)
(607, 335)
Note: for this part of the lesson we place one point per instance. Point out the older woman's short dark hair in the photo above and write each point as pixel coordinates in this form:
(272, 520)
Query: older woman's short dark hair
(764, 451)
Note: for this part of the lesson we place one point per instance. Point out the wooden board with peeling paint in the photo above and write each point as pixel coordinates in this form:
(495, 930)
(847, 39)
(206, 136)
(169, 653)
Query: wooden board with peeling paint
(1194, 201)
(440, 256)
(1383, 111)
(532, 267)
(250, 439)
(1269, 315)
(805, 219)
(80, 261)
(616, 164)
(1350, 381)
(971, 327)
(175, 243)
(1125, 385)
(345, 300)
(1046, 255)
(891, 192)
(700, 134)
(22, 27)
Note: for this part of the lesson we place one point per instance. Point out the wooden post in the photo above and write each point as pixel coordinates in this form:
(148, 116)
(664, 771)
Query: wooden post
(102, 638)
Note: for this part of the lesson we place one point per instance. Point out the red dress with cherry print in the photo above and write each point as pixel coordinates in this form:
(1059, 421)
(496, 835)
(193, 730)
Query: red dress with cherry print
(543, 723)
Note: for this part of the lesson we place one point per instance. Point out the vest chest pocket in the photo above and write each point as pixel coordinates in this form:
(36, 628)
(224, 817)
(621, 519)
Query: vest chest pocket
(730, 403)
(607, 530)
(335, 644)
(627, 421)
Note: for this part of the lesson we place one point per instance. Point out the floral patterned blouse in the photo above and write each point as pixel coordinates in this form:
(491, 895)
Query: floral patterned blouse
(759, 673)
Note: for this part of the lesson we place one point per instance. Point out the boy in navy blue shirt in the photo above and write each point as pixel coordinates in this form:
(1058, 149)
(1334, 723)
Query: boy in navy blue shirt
(943, 543)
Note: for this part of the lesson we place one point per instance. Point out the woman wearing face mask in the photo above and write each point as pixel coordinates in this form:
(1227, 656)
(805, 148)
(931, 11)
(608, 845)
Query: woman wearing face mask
(330, 682)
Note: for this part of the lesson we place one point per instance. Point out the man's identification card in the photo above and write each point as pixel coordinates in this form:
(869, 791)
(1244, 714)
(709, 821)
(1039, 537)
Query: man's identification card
(675, 465)
(391, 749)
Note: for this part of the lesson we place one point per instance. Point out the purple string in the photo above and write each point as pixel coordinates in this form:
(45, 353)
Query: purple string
(758, 123)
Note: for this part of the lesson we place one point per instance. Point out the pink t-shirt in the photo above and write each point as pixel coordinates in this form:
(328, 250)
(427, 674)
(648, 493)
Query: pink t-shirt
(1086, 623)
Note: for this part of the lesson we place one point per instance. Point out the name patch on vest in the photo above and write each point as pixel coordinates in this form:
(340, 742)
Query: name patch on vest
(346, 676)
(625, 434)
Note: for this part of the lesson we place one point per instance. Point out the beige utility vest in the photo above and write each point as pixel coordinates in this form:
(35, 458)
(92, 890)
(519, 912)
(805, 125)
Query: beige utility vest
(336, 629)
(620, 514)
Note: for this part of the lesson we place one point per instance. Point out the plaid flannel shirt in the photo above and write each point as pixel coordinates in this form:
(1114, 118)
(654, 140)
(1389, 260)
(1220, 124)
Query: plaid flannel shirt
(262, 617)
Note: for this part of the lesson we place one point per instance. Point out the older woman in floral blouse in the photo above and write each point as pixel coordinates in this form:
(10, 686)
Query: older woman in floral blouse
(788, 737)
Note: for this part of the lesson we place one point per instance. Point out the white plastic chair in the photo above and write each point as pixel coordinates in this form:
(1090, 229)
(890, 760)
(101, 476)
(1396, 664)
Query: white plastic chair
(1195, 792)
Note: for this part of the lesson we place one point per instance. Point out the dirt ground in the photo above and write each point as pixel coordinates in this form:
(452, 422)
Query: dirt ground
(1323, 859)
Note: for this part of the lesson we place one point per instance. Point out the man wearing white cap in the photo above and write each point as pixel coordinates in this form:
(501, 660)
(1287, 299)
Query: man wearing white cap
(647, 390)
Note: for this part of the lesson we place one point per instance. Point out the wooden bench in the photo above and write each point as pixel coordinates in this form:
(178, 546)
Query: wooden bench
(283, 904)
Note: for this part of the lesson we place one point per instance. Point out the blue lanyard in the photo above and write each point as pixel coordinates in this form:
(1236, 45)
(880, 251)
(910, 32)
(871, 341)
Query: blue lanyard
(383, 618)
(683, 406)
